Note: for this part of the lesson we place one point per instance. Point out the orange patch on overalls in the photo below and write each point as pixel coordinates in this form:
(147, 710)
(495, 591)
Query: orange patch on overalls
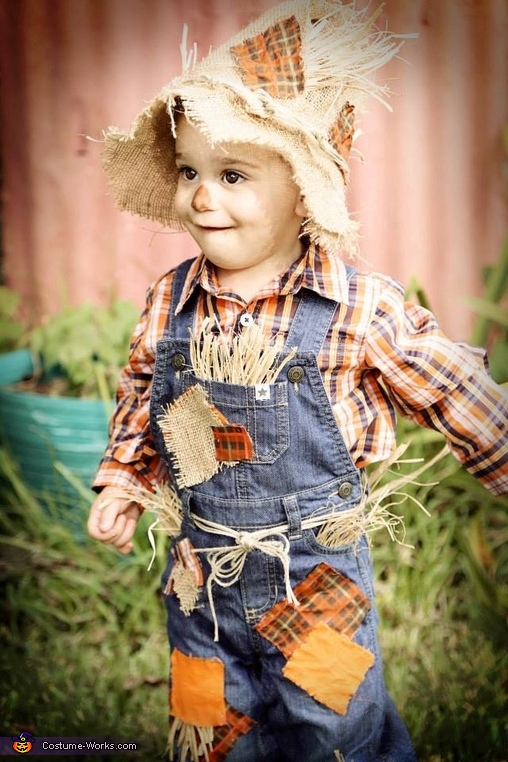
(329, 666)
(197, 690)
(325, 595)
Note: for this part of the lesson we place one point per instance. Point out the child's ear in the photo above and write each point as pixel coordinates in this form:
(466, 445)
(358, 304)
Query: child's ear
(301, 207)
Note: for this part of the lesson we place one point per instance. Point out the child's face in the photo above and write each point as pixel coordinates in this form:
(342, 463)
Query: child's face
(240, 205)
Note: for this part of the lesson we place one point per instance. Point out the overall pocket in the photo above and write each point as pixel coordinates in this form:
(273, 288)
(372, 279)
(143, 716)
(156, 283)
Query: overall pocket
(262, 409)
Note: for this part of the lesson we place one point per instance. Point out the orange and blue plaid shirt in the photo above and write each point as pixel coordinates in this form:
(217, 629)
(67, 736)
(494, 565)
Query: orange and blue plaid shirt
(382, 356)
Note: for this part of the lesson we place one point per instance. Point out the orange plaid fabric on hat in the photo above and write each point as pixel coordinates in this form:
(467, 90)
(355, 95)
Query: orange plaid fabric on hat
(272, 61)
(232, 443)
(325, 595)
(342, 131)
(279, 82)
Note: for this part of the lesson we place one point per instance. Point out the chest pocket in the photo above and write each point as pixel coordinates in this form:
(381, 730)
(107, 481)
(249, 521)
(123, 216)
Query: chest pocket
(262, 409)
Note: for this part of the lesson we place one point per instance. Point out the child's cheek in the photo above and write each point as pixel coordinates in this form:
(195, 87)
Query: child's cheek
(179, 200)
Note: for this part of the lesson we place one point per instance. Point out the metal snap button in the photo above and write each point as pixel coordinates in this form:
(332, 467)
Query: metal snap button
(345, 489)
(295, 374)
(178, 361)
(246, 319)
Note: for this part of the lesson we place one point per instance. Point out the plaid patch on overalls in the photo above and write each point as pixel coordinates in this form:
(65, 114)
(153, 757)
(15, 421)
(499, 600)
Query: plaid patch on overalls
(225, 736)
(341, 132)
(232, 443)
(325, 595)
(184, 555)
(272, 61)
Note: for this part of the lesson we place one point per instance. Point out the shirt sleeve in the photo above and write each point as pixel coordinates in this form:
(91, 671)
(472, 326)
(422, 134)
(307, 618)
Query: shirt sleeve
(442, 385)
(130, 459)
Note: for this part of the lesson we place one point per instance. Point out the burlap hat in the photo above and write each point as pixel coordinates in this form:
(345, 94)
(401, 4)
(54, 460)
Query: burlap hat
(292, 80)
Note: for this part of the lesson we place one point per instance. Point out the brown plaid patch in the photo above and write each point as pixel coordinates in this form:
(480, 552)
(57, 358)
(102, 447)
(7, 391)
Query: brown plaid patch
(232, 443)
(341, 132)
(325, 595)
(272, 61)
(225, 736)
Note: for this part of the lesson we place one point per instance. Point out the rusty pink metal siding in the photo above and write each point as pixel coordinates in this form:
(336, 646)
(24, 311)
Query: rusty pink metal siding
(430, 194)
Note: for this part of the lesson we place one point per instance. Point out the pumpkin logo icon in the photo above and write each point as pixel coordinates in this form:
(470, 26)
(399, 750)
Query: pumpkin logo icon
(23, 743)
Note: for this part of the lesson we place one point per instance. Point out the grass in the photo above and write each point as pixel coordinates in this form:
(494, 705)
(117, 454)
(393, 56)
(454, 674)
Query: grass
(83, 633)
(83, 646)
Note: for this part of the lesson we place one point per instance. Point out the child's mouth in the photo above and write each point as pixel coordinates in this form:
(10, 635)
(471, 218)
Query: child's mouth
(211, 229)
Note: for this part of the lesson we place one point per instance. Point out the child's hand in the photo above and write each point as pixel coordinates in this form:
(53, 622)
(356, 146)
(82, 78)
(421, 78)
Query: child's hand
(113, 520)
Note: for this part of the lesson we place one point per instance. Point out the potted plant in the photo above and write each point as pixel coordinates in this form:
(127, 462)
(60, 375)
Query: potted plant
(15, 359)
(55, 423)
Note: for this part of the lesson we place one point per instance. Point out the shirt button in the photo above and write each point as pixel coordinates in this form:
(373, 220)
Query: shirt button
(178, 361)
(295, 374)
(246, 319)
(345, 489)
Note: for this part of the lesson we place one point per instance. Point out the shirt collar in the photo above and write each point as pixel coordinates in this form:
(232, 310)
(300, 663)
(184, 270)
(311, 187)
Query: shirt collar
(320, 272)
(316, 270)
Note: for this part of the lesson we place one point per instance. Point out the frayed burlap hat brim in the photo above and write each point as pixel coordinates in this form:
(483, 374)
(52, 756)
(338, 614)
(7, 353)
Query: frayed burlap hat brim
(337, 50)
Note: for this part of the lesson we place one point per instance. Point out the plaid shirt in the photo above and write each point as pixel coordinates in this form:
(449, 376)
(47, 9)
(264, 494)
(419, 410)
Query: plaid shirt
(382, 355)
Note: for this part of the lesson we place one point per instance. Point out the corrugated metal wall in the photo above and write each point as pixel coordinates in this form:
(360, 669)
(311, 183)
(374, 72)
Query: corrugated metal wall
(431, 193)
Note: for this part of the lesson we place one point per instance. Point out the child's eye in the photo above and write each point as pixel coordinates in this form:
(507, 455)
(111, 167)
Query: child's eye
(187, 172)
(232, 177)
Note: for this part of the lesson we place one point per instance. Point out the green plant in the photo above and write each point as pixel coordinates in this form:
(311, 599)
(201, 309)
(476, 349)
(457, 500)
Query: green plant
(12, 330)
(83, 348)
(491, 327)
(82, 638)
(87, 626)
(479, 535)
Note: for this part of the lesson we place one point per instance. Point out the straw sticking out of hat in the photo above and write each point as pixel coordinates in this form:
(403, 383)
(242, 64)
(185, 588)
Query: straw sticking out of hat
(292, 80)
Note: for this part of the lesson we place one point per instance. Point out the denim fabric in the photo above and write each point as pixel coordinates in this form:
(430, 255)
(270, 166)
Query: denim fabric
(300, 469)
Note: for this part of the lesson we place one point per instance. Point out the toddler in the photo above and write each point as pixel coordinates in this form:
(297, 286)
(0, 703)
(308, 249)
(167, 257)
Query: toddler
(264, 376)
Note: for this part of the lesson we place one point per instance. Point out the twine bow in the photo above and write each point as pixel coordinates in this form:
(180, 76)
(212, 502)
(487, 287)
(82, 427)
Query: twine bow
(226, 563)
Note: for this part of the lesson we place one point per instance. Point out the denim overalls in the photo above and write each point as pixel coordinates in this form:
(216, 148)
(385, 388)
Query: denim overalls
(301, 469)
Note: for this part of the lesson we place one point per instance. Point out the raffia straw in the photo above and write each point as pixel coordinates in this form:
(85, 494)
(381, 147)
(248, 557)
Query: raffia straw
(194, 742)
(246, 358)
(164, 503)
(374, 512)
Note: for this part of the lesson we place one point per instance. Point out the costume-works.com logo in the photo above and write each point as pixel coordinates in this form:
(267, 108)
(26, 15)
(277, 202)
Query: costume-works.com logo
(22, 743)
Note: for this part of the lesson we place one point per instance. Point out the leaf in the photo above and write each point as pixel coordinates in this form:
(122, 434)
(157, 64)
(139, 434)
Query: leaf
(489, 310)
(498, 361)
(9, 302)
(87, 345)
(415, 290)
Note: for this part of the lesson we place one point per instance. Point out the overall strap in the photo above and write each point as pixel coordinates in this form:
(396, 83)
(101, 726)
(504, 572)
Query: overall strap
(178, 325)
(311, 323)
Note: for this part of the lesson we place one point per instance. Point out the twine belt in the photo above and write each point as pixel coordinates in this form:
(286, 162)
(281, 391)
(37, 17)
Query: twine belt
(226, 563)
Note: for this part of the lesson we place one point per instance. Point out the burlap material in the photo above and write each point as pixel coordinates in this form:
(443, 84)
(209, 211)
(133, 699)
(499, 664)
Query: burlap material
(292, 81)
(186, 427)
(186, 578)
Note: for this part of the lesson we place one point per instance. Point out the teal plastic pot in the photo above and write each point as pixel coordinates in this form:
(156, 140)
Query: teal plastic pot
(15, 365)
(42, 431)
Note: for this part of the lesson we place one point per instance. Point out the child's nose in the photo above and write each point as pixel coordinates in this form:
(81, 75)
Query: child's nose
(202, 199)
